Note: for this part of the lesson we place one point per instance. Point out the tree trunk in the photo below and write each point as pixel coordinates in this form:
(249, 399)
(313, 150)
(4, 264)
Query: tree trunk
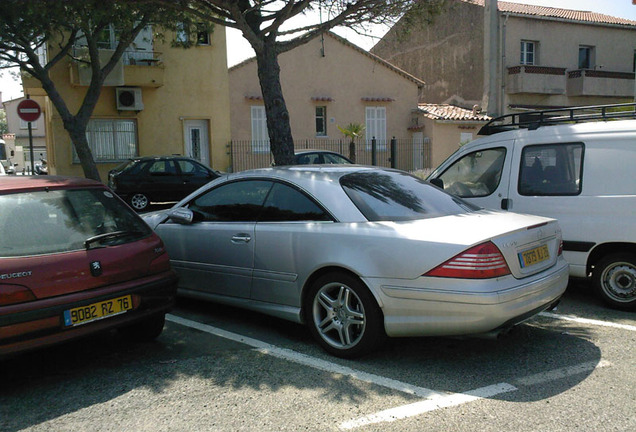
(76, 125)
(280, 136)
(77, 132)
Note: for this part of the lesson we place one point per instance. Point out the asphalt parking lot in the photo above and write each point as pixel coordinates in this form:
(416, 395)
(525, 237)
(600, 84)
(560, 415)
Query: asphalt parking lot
(217, 368)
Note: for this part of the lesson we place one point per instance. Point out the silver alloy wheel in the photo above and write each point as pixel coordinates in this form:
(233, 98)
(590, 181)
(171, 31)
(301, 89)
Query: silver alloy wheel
(139, 201)
(618, 281)
(338, 315)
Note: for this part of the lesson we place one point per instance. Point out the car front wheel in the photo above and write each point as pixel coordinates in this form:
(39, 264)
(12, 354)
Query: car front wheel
(139, 201)
(343, 316)
(614, 279)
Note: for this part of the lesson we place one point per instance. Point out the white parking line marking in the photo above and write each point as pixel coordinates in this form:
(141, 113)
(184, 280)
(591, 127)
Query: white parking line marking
(438, 402)
(588, 321)
(428, 405)
(433, 400)
(306, 360)
(561, 373)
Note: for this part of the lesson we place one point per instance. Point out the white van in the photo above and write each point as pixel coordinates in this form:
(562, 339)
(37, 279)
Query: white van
(577, 165)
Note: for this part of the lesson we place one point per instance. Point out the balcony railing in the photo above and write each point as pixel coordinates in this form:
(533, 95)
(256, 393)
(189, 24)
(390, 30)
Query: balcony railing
(560, 81)
(590, 82)
(126, 72)
(536, 79)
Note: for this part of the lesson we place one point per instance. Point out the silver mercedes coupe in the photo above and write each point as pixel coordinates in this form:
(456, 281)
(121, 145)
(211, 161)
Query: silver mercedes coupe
(360, 253)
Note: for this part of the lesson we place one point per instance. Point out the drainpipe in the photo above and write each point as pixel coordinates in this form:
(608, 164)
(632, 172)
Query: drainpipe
(502, 94)
(491, 55)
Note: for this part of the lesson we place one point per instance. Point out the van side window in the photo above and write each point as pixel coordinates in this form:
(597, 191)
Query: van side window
(551, 169)
(475, 175)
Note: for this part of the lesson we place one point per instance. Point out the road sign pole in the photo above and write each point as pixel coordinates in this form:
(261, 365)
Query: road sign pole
(31, 148)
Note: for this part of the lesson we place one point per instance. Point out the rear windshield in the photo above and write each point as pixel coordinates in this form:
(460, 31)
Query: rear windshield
(36, 223)
(398, 196)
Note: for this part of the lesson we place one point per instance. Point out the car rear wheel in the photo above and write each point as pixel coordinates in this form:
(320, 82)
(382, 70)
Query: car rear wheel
(139, 201)
(343, 316)
(614, 279)
(146, 330)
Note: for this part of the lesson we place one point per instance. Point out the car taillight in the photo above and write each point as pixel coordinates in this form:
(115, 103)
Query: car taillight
(480, 262)
(12, 294)
(560, 252)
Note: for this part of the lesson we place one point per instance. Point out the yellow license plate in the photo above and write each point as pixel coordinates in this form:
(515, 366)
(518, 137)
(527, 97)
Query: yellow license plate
(534, 256)
(96, 311)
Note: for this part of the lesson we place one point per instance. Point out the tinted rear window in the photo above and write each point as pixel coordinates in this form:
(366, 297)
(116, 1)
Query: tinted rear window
(37, 223)
(398, 196)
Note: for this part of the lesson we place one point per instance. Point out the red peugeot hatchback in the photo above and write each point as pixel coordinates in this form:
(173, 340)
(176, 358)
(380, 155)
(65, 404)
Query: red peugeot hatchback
(75, 260)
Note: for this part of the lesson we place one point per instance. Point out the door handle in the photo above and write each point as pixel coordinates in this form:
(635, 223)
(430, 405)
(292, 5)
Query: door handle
(506, 204)
(241, 238)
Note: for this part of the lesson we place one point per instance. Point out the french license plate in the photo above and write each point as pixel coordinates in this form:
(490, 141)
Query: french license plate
(534, 256)
(96, 311)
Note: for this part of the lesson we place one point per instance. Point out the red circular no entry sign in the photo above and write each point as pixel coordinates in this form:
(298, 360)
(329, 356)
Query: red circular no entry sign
(29, 110)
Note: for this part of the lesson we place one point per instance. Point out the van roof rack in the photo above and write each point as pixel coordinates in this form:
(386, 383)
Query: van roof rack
(532, 120)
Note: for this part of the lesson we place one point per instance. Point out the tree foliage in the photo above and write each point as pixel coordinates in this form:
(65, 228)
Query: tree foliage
(28, 27)
(268, 25)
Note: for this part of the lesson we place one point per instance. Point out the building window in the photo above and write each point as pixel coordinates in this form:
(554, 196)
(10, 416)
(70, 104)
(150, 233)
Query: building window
(321, 121)
(586, 57)
(197, 34)
(203, 36)
(260, 136)
(107, 38)
(111, 140)
(528, 53)
(376, 126)
(634, 62)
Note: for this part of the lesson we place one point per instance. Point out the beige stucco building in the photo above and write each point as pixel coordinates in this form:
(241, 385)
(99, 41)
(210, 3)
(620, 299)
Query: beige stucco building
(160, 99)
(329, 82)
(508, 57)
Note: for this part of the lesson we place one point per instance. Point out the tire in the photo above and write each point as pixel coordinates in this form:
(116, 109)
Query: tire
(146, 330)
(614, 280)
(139, 201)
(343, 316)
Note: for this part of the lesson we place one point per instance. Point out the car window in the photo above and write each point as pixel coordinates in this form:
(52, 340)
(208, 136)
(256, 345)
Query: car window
(37, 223)
(285, 203)
(398, 196)
(476, 174)
(331, 158)
(240, 201)
(308, 159)
(162, 168)
(192, 169)
(552, 169)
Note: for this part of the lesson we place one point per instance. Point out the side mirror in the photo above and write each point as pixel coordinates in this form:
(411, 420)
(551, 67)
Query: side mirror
(437, 182)
(181, 216)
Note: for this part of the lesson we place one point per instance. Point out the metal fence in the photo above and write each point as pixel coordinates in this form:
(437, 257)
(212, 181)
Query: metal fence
(405, 154)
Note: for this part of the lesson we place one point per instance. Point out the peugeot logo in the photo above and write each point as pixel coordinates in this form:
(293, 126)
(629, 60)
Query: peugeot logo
(96, 268)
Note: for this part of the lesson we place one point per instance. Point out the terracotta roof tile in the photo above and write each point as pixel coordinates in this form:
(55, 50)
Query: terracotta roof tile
(550, 12)
(450, 112)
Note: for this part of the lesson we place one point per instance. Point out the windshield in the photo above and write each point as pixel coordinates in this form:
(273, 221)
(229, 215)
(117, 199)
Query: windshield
(398, 196)
(36, 223)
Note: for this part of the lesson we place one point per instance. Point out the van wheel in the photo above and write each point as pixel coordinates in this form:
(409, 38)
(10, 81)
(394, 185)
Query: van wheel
(614, 279)
(139, 201)
(343, 316)
(144, 331)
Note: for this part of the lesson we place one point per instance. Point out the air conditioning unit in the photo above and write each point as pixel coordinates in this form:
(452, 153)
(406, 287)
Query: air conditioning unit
(129, 99)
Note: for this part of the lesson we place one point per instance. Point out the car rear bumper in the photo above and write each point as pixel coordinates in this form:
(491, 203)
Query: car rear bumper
(416, 311)
(40, 323)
